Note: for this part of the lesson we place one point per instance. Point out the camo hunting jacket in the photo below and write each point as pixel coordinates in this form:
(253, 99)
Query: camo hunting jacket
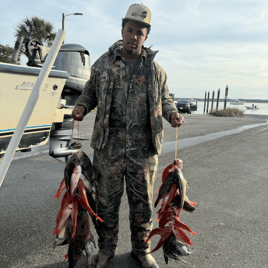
(105, 74)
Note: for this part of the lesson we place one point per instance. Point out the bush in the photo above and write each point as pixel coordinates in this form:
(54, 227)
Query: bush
(229, 112)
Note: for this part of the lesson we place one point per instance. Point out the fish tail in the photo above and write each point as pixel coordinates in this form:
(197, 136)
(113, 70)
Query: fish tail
(56, 231)
(194, 204)
(181, 236)
(62, 187)
(163, 238)
(57, 196)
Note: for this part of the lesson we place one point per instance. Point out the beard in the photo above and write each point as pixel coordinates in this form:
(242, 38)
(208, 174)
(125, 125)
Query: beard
(130, 51)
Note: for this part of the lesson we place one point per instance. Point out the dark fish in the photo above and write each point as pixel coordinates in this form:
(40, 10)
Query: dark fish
(82, 160)
(165, 188)
(172, 248)
(172, 192)
(87, 168)
(175, 177)
(83, 239)
(181, 184)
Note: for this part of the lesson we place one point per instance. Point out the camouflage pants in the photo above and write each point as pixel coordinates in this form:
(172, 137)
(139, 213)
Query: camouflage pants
(117, 163)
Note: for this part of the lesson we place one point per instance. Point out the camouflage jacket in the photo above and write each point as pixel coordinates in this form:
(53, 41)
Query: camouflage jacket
(99, 89)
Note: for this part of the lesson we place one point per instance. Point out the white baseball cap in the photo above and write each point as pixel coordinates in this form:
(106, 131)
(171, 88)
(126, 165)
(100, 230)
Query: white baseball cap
(140, 13)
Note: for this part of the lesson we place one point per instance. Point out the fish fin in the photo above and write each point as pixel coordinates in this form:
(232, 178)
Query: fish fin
(166, 172)
(163, 238)
(157, 231)
(156, 201)
(66, 256)
(166, 259)
(181, 225)
(62, 187)
(188, 205)
(194, 204)
(56, 231)
(82, 198)
(57, 196)
(181, 236)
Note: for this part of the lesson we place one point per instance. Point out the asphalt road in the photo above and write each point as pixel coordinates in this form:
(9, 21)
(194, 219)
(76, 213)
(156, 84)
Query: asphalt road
(227, 177)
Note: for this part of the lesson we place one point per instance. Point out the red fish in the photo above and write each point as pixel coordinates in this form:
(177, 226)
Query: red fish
(173, 198)
(72, 223)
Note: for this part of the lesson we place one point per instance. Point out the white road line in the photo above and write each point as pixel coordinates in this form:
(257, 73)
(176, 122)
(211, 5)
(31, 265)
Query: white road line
(169, 146)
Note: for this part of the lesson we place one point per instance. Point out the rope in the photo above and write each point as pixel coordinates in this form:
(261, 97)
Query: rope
(75, 145)
(176, 142)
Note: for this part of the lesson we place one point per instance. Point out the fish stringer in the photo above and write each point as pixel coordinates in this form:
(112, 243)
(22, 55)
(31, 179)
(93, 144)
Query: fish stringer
(75, 145)
(176, 143)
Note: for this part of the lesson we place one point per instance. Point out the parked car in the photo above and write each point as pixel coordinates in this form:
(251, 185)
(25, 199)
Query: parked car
(186, 106)
(183, 106)
(193, 105)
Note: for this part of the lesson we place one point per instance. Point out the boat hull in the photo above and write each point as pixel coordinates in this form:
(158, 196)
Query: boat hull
(252, 108)
(16, 85)
(237, 102)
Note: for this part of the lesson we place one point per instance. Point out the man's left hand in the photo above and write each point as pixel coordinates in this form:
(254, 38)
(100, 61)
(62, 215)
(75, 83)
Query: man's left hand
(176, 119)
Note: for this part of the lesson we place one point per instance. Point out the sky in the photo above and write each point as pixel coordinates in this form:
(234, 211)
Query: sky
(203, 45)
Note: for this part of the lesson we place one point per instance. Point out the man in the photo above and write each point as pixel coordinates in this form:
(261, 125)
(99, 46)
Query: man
(131, 92)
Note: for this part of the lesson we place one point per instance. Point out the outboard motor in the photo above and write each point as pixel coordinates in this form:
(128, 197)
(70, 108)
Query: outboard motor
(74, 59)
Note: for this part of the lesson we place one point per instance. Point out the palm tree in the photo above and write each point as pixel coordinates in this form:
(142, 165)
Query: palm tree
(36, 28)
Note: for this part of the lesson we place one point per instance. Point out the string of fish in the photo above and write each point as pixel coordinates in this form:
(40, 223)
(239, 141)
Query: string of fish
(173, 199)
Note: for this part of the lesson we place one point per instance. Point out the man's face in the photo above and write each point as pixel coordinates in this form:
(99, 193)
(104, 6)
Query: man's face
(134, 35)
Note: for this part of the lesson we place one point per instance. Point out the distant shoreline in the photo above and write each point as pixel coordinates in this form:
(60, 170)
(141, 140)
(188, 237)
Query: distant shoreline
(223, 100)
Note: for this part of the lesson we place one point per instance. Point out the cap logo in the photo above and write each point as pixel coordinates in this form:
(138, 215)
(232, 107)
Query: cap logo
(142, 15)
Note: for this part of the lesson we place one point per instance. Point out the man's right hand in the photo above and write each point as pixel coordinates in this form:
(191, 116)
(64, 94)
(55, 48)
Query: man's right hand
(78, 113)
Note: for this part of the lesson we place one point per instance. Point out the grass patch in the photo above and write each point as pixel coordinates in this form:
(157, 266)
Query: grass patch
(229, 112)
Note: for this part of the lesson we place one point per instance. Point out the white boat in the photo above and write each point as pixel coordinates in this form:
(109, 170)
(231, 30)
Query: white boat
(51, 120)
(253, 107)
(237, 102)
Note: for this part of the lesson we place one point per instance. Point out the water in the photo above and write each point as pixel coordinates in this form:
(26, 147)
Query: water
(263, 107)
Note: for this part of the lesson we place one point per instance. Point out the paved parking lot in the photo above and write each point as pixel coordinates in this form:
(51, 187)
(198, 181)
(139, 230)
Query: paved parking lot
(227, 177)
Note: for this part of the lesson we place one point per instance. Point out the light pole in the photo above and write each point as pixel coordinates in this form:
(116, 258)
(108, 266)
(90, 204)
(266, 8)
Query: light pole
(63, 18)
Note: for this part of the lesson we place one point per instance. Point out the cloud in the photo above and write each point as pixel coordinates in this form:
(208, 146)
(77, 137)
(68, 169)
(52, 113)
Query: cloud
(207, 67)
(203, 44)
